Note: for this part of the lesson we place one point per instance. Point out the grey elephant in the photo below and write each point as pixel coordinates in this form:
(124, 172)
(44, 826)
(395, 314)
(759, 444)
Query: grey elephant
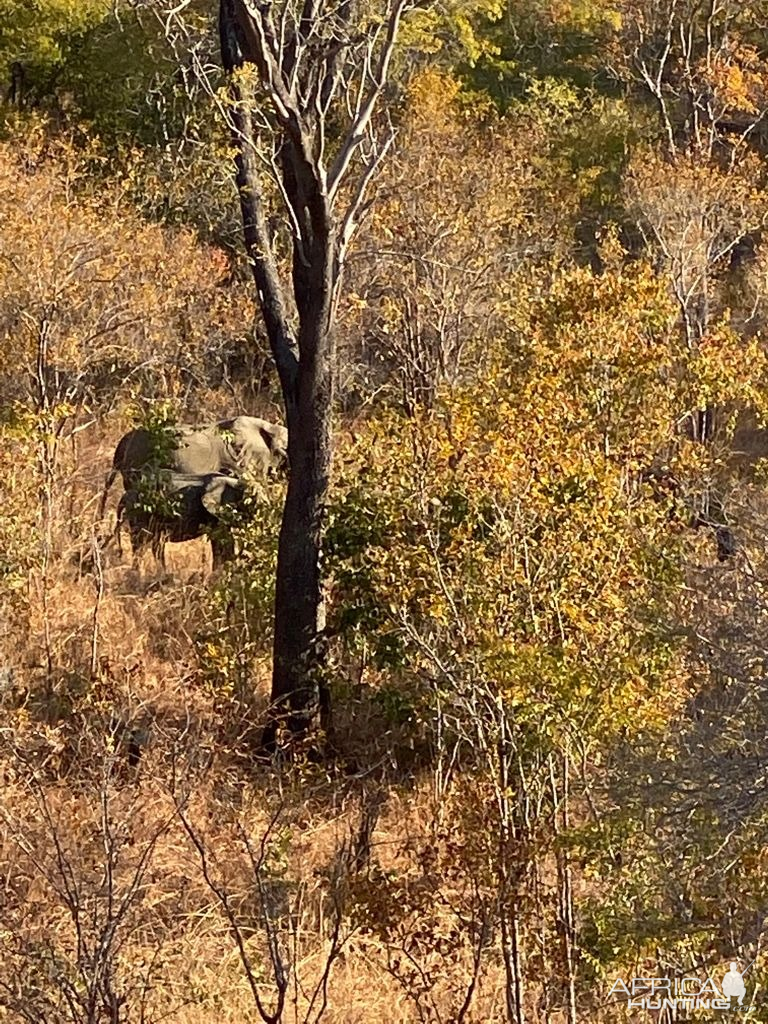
(243, 443)
(173, 507)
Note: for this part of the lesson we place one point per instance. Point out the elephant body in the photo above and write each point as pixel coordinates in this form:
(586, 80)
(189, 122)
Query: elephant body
(173, 507)
(233, 446)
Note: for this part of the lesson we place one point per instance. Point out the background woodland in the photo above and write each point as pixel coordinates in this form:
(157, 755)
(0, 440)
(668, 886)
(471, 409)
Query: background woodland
(549, 683)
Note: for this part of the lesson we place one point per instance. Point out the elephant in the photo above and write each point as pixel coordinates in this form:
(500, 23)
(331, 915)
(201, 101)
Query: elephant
(175, 507)
(243, 443)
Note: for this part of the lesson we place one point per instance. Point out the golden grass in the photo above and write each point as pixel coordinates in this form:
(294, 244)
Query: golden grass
(359, 860)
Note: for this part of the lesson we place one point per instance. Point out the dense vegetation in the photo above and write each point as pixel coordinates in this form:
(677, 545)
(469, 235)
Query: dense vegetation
(544, 551)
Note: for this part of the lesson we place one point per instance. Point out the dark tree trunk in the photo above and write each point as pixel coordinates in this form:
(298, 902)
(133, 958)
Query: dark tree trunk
(305, 366)
(299, 604)
(17, 88)
(299, 600)
(255, 227)
(317, 78)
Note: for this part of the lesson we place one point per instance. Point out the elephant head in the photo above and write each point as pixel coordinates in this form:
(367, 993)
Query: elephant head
(254, 444)
(220, 493)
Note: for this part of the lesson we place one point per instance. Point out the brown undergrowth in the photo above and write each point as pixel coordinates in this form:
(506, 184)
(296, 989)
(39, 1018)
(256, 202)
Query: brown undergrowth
(153, 869)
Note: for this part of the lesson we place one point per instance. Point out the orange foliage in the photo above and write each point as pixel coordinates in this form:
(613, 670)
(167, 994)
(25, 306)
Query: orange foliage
(93, 303)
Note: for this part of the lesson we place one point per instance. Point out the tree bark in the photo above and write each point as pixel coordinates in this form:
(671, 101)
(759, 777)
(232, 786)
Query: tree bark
(299, 600)
(305, 367)
(315, 76)
(255, 229)
(298, 657)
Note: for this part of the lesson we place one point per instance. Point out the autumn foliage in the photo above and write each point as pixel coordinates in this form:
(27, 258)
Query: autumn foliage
(544, 551)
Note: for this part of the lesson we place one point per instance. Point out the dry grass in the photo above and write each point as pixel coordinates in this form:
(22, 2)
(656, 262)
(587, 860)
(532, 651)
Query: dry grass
(107, 664)
(132, 806)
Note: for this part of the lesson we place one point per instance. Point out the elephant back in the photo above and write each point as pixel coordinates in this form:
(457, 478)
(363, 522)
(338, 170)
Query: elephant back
(141, 449)
(198, 452)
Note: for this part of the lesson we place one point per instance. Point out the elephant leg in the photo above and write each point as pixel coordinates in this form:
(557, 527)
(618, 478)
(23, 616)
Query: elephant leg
(141, 539)
(118, 531)
(222, 549)
(158, 547)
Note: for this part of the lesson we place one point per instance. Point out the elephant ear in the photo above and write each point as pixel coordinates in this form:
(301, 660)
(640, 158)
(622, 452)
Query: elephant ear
(275, 437)
(218, 491)
(213, 493)
(267, 433)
